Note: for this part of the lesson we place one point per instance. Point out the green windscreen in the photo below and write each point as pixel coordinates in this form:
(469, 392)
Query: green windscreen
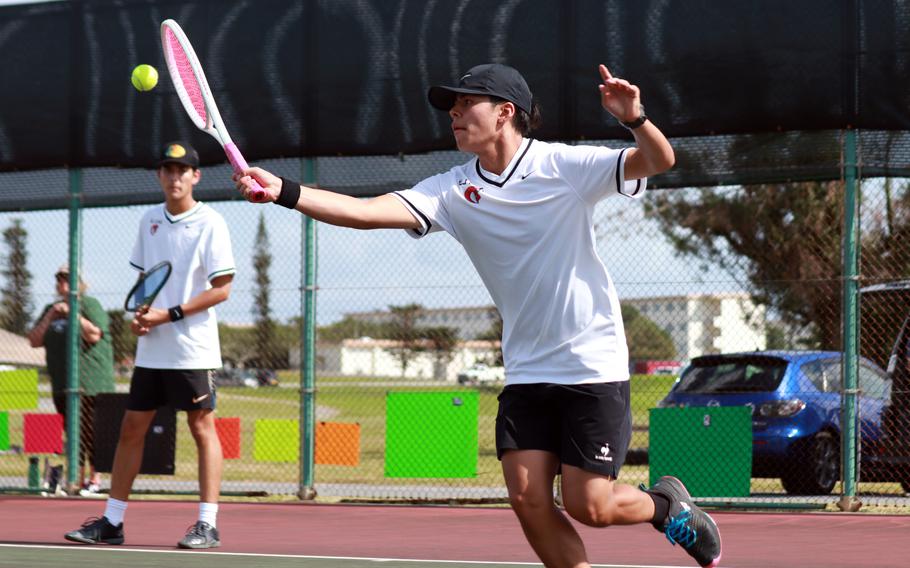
(707, 448)
(431, 434)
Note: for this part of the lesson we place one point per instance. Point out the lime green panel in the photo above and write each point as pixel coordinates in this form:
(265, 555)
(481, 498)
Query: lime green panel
(708, 448)
(19, 389)
(431, 434)
(276, 441)
(4, 431)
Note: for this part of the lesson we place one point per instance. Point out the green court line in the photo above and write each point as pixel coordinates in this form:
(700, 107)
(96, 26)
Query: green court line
(53, 556)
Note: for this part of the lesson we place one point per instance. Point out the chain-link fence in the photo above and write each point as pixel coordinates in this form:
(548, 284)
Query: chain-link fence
(732, 297)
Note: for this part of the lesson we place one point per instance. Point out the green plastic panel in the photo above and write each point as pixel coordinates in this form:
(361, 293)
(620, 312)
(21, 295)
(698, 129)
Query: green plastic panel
(4, 431)
(19, 389)
(276, 440)
(708, 448)
(431, 434)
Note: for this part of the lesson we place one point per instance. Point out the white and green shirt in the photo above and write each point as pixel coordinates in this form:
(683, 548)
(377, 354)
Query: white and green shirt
(530, 234)
(198, 245)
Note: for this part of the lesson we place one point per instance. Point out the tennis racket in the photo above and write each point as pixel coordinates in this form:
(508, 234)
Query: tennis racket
(147, 287)
(193, 90)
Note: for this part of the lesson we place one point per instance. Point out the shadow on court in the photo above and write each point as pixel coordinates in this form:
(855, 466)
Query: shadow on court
(353, 536)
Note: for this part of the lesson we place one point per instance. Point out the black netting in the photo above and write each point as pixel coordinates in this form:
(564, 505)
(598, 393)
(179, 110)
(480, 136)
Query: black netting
(348, 79)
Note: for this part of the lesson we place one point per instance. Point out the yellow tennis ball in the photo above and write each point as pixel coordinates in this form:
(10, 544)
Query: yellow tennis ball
(145, 77)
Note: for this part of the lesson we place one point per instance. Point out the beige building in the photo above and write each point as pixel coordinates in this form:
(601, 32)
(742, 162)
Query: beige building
(469, 322)
(367, 357)
(16, 351)
(707, 323)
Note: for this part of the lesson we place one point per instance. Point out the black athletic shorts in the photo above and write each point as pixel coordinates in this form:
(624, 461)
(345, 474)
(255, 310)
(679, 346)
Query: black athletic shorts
(183, 389)
(587, 426)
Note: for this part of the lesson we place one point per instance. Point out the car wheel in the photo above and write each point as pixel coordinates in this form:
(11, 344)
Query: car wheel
(816, 469)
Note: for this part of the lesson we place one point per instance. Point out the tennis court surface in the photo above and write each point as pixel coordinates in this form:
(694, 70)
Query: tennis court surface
(274, 535)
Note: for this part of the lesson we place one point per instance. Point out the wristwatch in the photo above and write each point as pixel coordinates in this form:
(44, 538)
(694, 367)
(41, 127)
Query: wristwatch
(638, 121)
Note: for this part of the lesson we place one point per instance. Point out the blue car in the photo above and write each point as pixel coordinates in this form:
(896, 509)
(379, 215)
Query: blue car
(795, 397)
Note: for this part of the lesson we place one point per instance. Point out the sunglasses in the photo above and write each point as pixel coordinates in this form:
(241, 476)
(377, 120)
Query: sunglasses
(62, 277)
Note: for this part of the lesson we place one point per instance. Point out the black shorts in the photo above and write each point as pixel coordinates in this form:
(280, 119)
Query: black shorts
(183, 389)
(587, 426)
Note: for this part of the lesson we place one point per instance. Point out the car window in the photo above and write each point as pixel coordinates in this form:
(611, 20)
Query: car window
(825, 374)
(874, 383)
(717, 374)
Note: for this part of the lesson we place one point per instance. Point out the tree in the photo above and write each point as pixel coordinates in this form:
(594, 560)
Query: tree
(646, 340)
(403, 330)
(495, 334)
(785, 238)
(442, 342)
(266, 349)
(351, 328)
(16, 302)
(122, 339)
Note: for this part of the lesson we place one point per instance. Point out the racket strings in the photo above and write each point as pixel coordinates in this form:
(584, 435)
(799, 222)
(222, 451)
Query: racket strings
(187, 77)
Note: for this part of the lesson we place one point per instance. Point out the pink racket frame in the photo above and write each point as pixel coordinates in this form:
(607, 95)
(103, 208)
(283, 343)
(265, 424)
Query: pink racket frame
(194, 92)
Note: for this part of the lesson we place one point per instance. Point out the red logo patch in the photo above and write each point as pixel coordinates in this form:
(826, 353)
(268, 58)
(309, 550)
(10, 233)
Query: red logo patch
(154, 228)
(472, 194)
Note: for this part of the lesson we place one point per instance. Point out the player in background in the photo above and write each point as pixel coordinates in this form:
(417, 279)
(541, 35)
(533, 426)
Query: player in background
(178, 346)
(523, 211)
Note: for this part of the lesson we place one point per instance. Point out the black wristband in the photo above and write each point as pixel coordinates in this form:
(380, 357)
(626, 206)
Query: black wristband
(290, 193)
(175, 313)
(642, 117)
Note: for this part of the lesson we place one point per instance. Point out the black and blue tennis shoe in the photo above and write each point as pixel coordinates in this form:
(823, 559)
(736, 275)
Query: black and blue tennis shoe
(687, 525)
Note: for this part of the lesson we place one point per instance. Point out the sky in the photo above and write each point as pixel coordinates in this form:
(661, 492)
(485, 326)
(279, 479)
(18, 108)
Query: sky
(357, 270)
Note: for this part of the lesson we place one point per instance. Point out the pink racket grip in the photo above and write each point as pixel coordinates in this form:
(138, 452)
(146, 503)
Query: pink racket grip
(239, 164)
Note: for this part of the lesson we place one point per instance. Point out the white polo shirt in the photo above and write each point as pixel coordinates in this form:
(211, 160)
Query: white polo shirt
(530, 234)
(198, 245)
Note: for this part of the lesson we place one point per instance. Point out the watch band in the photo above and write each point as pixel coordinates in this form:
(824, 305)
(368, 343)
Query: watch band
(642, 117)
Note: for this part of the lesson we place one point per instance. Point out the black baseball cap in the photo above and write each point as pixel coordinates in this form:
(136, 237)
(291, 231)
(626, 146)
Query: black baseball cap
(178, 152)
(491, 79)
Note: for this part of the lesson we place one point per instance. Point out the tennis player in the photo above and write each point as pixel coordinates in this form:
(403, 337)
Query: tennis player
(523, 211)
(178, 346)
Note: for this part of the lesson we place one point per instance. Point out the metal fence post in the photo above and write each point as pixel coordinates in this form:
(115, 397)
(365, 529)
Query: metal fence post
(72, 333)
(848, 501)
(307, 490)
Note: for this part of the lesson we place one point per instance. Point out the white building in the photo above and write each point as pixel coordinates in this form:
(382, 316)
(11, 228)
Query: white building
(707, 323)
(367, 357)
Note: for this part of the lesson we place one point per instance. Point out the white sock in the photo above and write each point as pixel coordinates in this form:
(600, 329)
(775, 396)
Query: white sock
(115, 510)
(208, 512)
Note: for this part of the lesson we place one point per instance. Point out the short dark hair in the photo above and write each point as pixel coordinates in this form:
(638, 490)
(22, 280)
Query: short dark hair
(523, 122)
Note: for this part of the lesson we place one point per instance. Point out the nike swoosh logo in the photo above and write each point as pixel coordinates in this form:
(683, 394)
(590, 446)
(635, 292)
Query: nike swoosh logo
(527, 174)
(200, 398)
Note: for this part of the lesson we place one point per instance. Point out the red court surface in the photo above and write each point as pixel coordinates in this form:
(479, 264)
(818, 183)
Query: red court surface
(751, 540)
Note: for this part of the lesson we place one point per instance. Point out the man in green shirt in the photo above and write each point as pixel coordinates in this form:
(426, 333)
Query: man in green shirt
(96, 361)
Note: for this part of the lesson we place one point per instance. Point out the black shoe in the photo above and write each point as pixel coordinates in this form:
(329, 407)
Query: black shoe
(97, 530)
(687, 525)
(200, 535)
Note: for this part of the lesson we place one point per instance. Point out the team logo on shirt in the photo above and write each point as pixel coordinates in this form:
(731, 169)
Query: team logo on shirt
(471, 192)
(154, 228)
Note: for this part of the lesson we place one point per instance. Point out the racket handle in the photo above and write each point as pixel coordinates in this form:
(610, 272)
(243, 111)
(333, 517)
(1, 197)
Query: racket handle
(239, 164)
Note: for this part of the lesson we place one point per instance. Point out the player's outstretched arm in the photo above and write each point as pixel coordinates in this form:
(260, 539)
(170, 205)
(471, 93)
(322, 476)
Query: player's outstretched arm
(383, 212)
(623, 100)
